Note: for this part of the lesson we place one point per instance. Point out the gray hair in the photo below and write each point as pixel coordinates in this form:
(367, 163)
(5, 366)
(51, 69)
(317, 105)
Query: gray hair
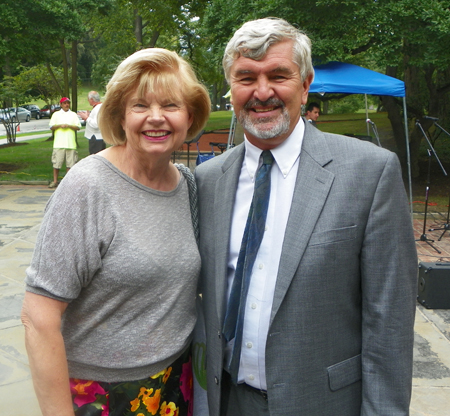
(94, 95)
(254, 38)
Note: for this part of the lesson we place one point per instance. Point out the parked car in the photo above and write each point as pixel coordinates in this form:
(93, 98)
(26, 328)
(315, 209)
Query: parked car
(4, 114)
(19, 113)
(48, 110)
(33, 109)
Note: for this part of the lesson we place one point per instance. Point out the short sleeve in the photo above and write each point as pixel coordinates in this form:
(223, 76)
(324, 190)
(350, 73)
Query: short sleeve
(71, 241)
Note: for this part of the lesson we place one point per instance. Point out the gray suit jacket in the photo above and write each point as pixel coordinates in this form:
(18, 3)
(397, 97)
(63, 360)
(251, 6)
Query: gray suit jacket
(341, 331)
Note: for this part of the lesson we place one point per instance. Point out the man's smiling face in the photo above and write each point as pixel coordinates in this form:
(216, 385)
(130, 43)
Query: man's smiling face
(267, 95)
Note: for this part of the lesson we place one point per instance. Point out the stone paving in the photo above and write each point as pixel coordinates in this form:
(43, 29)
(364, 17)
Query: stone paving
(21, 209)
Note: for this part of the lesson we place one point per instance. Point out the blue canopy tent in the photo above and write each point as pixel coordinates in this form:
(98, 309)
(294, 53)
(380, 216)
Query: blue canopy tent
(342, 78)
(338, 77)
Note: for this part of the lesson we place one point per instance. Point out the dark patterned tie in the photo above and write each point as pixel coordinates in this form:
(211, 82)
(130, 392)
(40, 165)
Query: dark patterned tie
(253, 234)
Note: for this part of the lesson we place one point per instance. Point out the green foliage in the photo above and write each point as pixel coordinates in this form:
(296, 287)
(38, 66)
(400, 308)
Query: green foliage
(36, 83)
(137, 24)
(348, 104)
(8, 92)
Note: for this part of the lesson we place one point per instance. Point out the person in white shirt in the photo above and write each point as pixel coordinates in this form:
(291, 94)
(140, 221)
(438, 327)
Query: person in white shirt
(93, 133)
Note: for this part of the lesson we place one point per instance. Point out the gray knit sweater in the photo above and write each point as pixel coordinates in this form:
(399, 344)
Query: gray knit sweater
(125, 258)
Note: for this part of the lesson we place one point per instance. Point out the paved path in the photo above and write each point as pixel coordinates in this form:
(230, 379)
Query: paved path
(21, 209)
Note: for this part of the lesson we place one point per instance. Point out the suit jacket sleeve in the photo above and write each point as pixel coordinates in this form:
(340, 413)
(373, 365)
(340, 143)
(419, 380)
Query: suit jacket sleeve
(389, 288)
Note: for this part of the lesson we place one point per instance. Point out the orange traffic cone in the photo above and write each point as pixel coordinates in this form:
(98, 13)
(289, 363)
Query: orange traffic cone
(18, 127)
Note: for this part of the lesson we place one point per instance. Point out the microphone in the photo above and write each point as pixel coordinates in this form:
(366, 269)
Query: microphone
(370, 121)
(431, 118)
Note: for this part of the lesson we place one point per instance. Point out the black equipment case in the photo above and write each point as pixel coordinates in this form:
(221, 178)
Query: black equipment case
(434, 285)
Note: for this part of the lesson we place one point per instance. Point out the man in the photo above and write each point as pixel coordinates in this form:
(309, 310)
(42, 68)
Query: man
(93, 133)
(64, 124)
(324, 325)
(312, 113)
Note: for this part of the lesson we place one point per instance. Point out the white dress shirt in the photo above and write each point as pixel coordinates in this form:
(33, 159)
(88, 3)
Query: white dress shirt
(92, 124)
(264, 273)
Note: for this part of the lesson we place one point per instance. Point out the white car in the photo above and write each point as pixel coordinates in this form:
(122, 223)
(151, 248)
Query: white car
(4, 114)
(20, 113)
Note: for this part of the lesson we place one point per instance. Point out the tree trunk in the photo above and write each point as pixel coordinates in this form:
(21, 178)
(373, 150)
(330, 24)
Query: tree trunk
(415, 100)
(138, 28)
(214, 97)
(7, 102)
(50, 71)
(393, 108)
(154, 39)
(74, 103)
(395, 116)
(10, 131)
(443, 90)
(65, 68)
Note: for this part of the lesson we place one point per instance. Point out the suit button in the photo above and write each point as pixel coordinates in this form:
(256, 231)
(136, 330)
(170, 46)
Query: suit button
(219, 334)
(216, 380)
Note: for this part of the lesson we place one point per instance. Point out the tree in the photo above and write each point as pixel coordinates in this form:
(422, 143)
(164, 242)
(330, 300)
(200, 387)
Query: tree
(66, 22)
(8, 92)
(36, 82)
(409, 39)
(137, 24)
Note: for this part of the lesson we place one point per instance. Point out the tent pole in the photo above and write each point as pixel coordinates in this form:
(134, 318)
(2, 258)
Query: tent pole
(367, 115)
(408, 157)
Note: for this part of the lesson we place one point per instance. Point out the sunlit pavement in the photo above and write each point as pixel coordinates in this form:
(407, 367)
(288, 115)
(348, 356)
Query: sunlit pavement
(21, 210)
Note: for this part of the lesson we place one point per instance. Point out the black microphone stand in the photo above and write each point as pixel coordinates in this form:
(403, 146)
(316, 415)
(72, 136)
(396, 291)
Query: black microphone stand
(430, 150)
(446, 226)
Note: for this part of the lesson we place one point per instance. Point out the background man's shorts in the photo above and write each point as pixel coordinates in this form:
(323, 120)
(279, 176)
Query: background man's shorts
(58, 156)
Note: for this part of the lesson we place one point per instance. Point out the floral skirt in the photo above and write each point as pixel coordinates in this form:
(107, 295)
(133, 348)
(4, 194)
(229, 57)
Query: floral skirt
(168, 393)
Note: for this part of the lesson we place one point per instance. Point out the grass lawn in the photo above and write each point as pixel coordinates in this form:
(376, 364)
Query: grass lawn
(356, 124)
(31, 161)
(219, 120)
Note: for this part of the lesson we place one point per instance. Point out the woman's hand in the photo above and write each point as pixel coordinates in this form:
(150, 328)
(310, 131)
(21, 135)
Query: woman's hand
(41, 317)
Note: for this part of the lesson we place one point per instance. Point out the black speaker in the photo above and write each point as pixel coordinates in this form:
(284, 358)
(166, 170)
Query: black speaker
(434, 285)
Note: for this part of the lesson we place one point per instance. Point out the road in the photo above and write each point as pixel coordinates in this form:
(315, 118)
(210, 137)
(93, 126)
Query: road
(38, 127)
(32, 126)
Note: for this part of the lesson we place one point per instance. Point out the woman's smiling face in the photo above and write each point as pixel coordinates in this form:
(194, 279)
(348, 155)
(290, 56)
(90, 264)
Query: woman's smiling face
(154, 124)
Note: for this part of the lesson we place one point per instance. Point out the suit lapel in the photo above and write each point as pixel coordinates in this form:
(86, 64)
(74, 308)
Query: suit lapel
(225, 195)
(312, 187)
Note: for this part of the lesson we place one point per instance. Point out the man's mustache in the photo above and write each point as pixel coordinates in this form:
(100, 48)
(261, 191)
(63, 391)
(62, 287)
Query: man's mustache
(275, 102)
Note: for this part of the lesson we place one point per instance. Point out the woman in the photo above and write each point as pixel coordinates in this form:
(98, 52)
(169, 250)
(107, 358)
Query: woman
(110, 302)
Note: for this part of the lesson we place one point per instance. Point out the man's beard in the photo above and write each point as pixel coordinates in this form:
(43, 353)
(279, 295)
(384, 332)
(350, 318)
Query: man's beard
(280, 125)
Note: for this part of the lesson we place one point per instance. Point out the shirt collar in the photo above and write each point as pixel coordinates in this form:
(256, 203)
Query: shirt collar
(285, 155)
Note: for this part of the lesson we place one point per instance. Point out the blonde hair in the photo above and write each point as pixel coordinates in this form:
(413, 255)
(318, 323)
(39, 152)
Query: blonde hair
(157, 70)
(254, 38)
